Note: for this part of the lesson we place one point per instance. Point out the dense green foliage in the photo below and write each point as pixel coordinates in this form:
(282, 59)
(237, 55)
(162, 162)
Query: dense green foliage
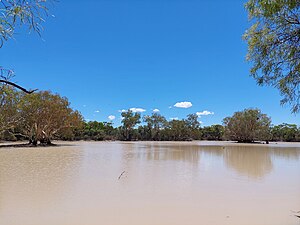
(247, 126)
(213, 132)
(285, 132)
(129, 120)
(181, 130)
(46, 115)
(97, 131)
(38, 117)
(155, 123)
(274, 46)
(9, 100)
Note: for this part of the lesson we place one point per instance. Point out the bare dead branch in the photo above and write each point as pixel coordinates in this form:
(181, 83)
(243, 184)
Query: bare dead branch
(18, 86)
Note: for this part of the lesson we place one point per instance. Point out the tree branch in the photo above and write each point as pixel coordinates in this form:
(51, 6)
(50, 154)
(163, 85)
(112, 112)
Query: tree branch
(18, 86)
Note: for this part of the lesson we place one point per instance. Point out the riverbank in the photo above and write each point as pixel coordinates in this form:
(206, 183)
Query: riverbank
(24, 144)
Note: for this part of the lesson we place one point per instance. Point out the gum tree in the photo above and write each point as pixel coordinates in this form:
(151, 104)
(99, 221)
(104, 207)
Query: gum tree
(129, 120)
(274, 46)
(155, 123)
(46, 116)
(9, 114)
(247, 126)
(193, 126)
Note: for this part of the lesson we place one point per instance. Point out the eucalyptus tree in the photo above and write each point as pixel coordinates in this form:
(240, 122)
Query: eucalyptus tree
(285, 132)
(98, 131)
(9, 114)
(46, 116)
(129, 121)
(274, 46)
(193, 126)
(177, 130)
(213, 132)
(155, 124)
(248, 126)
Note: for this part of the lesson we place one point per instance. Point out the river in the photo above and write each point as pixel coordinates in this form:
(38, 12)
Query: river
(150, 183)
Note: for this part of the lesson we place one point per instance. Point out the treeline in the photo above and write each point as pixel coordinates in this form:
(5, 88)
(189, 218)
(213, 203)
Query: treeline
(254, 126)
(43, 116)
(155, 128)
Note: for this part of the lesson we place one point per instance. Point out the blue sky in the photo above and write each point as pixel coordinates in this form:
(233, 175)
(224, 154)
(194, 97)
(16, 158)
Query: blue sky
(106, 56)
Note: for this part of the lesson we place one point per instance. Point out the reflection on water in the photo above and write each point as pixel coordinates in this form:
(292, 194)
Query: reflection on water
(179, 153)
(164, 183)
(249, 161)
(287, 153)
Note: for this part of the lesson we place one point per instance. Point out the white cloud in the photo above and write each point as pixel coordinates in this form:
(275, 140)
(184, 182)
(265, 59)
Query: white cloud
(111, 117)
(205, 113)
(184, 105)
(138, 110)
(97, 111)
(155, 110)
(174, 118)
(170, 107)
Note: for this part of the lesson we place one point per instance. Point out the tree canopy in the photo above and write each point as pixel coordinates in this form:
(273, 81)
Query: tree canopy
(274, 46)
(155, 123)
(9, 100)
(129, 120)
(248, 126)
(285, 132)
(38, 117)
(45, 115)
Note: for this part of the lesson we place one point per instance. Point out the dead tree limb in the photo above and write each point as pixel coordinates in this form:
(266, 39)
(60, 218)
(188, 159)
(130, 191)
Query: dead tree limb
(18, 86)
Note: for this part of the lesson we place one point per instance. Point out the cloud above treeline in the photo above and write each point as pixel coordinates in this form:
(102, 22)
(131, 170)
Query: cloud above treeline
(111, 117)
(135, 110)
(139, 110)
(204, 113)
(183, 105)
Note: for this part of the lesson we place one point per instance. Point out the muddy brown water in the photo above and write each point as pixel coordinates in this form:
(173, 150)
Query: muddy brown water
(164, 183)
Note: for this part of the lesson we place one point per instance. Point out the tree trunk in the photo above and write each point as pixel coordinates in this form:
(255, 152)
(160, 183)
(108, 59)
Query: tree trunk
(33, 141)
(45, 141)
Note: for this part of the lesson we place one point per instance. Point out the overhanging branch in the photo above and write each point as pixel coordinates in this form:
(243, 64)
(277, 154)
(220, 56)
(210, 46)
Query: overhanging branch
(18, 86)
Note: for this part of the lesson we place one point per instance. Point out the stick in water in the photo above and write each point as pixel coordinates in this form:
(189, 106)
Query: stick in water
(296, 213)
(121, 175)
